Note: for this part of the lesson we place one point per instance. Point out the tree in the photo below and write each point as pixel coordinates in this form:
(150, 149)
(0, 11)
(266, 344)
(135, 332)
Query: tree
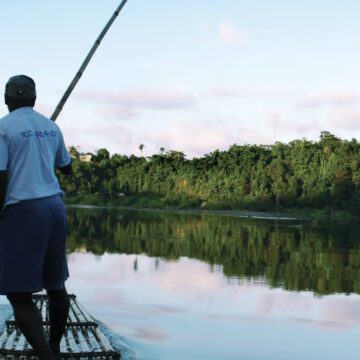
(102, 154)
(74, 152)
(141, 148)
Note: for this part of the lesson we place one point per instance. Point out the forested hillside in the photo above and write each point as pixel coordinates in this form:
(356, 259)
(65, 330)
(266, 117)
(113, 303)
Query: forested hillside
(300, 174)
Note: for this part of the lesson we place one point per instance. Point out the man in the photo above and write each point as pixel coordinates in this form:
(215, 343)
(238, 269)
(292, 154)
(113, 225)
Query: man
(33, 224)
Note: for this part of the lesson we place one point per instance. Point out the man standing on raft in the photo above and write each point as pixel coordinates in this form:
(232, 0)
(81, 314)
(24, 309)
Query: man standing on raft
(33, 224)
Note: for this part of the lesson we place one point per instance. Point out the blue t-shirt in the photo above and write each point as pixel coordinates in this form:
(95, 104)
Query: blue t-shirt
(31, 147)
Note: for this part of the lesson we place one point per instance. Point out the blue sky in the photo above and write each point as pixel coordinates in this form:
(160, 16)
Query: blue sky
(193, 76)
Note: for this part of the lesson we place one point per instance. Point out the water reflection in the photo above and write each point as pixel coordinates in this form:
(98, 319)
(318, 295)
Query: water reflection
(294, 256)
(183, 310)
(182, 280)
(180, 286)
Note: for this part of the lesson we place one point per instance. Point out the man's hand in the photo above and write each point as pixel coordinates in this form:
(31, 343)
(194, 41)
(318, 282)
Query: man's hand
(66, 170)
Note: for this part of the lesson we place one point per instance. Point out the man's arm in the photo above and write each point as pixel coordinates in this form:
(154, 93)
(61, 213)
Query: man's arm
(3, 187)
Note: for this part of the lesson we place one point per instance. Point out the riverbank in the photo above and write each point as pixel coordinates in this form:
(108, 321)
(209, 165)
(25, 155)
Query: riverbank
(148, 204)
(234, 213)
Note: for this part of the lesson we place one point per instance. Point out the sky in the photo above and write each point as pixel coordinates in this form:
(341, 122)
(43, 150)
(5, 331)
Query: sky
(191, 76)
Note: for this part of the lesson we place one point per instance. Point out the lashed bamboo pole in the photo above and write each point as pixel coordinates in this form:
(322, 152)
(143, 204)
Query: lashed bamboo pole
(21, 343)
(86, 61)
(83, 343)
(3, 337)
(10, 340)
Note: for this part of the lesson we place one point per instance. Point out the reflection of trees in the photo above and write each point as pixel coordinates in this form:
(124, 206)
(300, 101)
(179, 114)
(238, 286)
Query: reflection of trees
(317, 258)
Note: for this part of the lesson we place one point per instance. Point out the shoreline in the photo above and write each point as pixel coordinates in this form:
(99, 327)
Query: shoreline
(259, 215)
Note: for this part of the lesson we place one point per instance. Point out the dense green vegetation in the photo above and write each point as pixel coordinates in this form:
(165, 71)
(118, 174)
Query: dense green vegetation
(301, 174)
(296, 256)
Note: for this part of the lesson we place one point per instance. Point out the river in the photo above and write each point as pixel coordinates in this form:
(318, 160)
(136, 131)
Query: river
(173, 286)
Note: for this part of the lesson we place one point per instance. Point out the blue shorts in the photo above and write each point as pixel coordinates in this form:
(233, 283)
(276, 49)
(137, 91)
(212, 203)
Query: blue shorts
(32, 246)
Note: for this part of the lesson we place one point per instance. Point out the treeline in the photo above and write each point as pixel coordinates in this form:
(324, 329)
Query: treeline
(300, 174)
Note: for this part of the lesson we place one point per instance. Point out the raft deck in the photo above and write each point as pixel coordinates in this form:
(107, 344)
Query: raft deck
(83, 339)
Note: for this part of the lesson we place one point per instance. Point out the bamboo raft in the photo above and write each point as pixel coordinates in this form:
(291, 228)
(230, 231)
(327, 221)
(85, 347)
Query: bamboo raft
(83, 339)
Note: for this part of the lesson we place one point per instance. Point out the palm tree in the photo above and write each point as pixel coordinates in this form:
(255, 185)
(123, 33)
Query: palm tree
(141, 148)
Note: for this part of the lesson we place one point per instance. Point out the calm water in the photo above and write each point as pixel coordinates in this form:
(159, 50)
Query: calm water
(203, 287)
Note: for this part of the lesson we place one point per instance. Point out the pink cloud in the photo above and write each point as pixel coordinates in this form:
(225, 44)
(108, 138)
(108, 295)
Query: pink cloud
(347, 119)
(229, 34)
(126, 104)
(201, 137)
(286, 124)
(330, 98)
(257, 92)
(120, 112)
(108, 134)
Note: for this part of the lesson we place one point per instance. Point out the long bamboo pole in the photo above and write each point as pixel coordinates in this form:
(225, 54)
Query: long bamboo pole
(85, 63)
